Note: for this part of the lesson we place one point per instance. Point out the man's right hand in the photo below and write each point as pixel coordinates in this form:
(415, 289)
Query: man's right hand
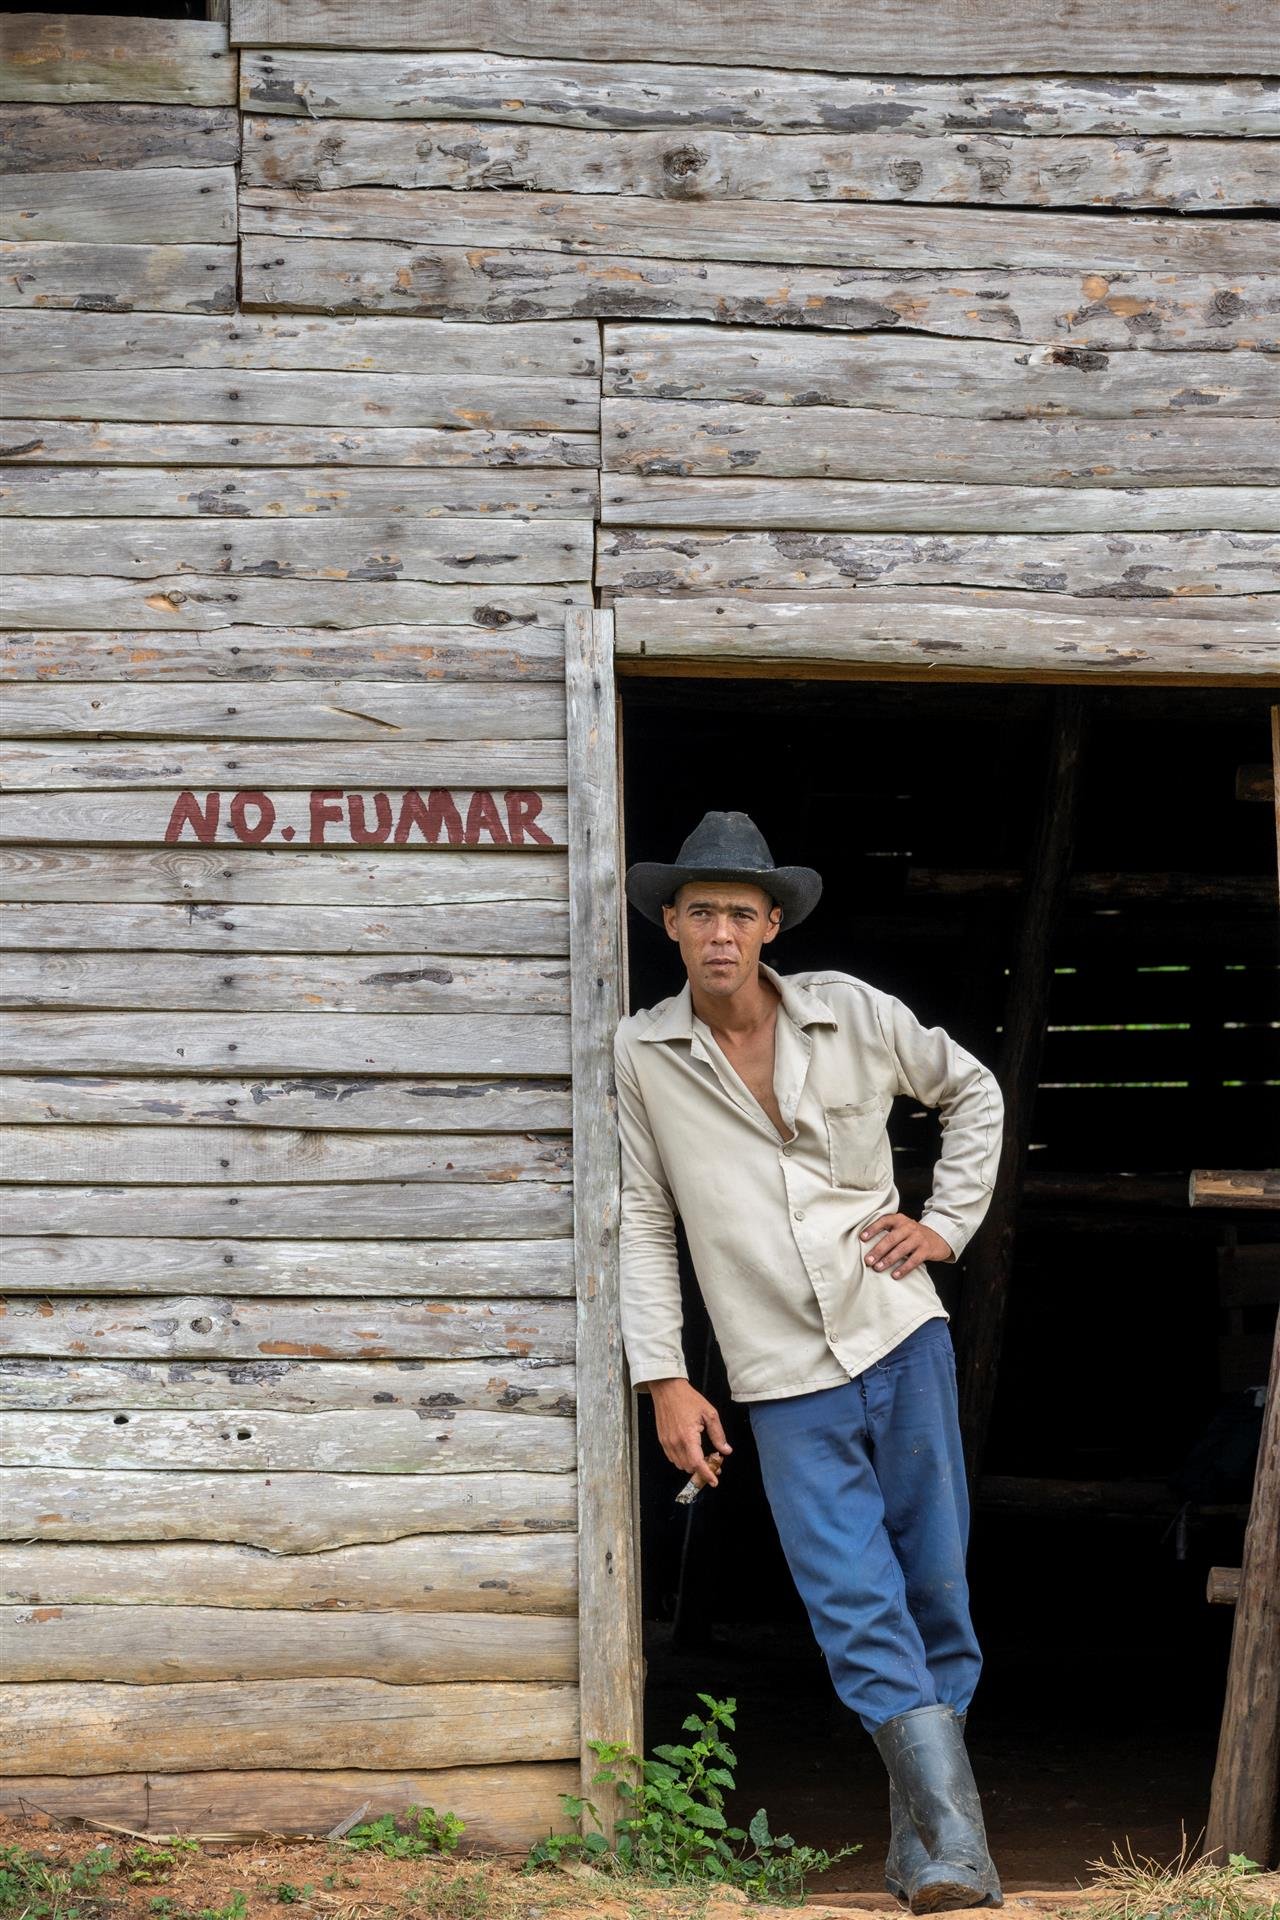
(683, 1417)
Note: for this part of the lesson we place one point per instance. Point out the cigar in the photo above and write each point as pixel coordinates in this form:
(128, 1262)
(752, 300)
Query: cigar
(693, 1486)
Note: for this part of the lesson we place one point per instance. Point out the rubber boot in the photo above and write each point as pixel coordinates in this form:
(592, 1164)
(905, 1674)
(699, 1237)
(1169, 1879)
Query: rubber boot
(908, 1855)
(938, 1810)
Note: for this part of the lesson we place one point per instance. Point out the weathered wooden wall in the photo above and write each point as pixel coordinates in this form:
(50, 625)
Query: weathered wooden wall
(892, 373)
(290, 1332)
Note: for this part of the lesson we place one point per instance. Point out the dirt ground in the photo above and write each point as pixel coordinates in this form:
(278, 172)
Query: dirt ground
(322, 1880)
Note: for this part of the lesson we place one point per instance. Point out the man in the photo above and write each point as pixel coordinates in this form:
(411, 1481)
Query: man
(754, 1104)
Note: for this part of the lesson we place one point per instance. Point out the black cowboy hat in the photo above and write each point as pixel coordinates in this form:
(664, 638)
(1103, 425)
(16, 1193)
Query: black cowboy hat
(724, 846)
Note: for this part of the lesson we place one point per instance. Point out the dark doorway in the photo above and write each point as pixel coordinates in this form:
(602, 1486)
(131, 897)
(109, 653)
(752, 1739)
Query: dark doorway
(1138, 1328)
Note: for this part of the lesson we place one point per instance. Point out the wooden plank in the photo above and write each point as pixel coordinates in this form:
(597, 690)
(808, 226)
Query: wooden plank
(514, 927)
(325, 492)
(197, 1328)
(93, 442)
(1136, 37)
(294, 1513)
(958, 635)
(349, 1211)
(311, 549)
(238, 876)
(402, 983)
(608, 1574)
(111, 277)
(340, 710)
(978, 379)
(143, 1645)
(62, 139)
(1115, 565)
(1223, 1586)
(45, 766)
(78, 1729)
(430, 1573)
(289, 1043)
(1178, 175)
(740, 230)
(505, 1808)
(425, 1387)
(882, 506)
(1221, 1188)
(239, 1439)
(674, 439)
(506, 652)
(615, 92)
(231, 1156)
(68, 57)
(331, 1104)
(536, 1269)
(302, 397)
(555, 351)
(170, 206)
(204, 601)
(1202, 311)
(1246, 1780)
(412, 818)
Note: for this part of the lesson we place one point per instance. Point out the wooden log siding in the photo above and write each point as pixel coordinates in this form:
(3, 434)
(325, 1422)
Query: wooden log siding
(743, 230)
(1139, 36)
(1097, 307)
(69, 57)
(402, 1085)
(616, 94)
(1183, 176)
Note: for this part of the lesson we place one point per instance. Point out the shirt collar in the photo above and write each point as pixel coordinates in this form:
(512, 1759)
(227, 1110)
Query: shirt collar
(801, 1005)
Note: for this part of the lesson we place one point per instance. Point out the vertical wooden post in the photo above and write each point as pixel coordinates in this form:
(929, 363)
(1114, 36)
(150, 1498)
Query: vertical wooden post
(608, 1607)
(988, 1268)
(1246, 1777)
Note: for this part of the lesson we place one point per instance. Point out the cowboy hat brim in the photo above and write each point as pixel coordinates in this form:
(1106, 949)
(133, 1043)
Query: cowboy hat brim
(651, 884)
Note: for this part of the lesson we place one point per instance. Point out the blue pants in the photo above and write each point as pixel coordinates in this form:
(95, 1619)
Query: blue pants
(867, 1487)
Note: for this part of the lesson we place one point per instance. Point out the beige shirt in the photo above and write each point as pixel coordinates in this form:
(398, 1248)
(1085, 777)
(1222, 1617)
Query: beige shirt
(773, 1220)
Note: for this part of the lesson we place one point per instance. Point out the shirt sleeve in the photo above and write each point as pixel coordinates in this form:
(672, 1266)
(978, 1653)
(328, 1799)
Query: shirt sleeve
(938, 1072)
(649, 1280)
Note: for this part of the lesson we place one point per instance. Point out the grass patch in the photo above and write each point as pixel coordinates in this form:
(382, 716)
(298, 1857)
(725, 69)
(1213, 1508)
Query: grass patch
(1134, 1887)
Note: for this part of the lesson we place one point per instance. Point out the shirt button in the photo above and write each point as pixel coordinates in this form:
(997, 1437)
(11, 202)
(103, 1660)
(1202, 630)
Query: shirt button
(797, 1215)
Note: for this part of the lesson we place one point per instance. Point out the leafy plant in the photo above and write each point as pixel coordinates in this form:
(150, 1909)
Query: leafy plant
(32, 1888)
(146, 1865)
(675, 1829)
(427, 1832)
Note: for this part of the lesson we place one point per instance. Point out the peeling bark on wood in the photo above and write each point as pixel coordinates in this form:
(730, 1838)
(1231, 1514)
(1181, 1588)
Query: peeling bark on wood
(62, 139)
(1094, 308)
(973, 168)
(620, 94)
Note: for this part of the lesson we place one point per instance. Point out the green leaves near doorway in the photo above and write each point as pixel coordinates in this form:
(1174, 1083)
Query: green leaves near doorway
(675, 1829)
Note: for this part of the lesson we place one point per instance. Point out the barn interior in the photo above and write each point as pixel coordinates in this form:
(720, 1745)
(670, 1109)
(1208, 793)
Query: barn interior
(1116, 1470)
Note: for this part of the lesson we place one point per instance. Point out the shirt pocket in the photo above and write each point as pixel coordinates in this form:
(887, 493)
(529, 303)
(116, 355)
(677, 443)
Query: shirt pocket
(858, 1145)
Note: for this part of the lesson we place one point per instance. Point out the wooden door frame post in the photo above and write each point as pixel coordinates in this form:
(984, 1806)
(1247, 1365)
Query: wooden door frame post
(610, 1657)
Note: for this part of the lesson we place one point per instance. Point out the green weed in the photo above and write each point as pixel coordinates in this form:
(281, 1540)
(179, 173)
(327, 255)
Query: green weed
(32, 1888)
(427, 1832)
(674, 1830)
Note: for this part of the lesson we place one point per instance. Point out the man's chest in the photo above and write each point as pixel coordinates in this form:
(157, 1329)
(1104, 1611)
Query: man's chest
(754, 1060)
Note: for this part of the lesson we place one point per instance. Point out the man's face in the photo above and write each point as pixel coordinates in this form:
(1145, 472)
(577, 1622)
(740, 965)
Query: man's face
(721, 926)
